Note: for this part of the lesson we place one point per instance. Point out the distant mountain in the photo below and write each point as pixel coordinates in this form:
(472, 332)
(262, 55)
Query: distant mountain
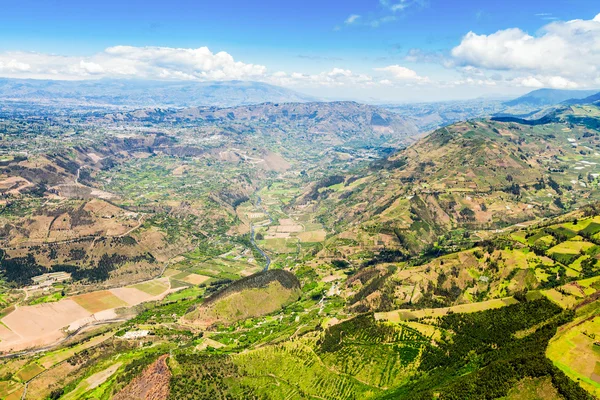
(143, 93)
(593, 99)
(429, 116)
(548, 97)
(336, 122)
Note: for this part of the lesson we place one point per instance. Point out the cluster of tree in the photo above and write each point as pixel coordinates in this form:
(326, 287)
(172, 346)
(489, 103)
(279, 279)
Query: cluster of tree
(20, 270)
(208, 377)
(364, 329)
(103, 267)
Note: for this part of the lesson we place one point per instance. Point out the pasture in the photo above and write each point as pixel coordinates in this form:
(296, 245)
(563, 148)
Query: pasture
(8, 387)
(29, 372)
(562, 299)
(154, 287)
(570, 247)
(92, 382)
(574, 352)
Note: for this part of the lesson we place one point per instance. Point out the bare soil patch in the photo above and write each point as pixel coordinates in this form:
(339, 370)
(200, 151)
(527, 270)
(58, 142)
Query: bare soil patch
(196, 279)
(152, 384)
(39, 324)
(131, 296)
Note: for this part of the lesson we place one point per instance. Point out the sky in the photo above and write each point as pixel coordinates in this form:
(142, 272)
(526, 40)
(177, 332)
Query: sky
(367, 50)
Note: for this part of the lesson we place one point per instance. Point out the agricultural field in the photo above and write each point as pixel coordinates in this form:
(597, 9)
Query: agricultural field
(46, 323)
(575, 349)
(99, 301)
(563, 268)
(433, 313)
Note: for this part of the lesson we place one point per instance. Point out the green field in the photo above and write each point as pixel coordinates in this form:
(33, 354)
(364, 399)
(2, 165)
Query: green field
(51, 359)
(574, 352)
(155, 287)
(406, 315)
(29, 372)
(570, 247)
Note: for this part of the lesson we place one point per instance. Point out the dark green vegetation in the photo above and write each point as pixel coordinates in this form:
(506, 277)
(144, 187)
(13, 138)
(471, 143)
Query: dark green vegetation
(480, 355)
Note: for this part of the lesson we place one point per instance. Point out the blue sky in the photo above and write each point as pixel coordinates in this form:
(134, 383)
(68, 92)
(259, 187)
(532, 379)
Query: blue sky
(378, 50)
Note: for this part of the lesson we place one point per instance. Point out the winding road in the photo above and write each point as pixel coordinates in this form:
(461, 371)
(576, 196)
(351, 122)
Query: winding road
(253, 234)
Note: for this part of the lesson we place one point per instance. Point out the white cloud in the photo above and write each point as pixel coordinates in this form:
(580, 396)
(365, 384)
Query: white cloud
(531, 82)
(165, 63)
(339, 72)
(562, 55)
(539, 81)
(376, 23)
(401, 73)
(91, 67)
(399, 5)
(14, 66)
(336, 77)
(128, 61)
(388, 12)
(352, 19)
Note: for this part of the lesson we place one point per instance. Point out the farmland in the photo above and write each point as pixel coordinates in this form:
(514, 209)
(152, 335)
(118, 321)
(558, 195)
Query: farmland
(45, 323)
(574, 351)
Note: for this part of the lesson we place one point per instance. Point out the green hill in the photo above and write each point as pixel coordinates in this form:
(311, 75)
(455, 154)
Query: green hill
(476, 175)
(252, 296)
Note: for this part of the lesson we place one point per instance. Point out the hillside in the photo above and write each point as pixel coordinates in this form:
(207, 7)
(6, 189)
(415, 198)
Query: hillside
(477, 175)
(144, 93)
(252, 296)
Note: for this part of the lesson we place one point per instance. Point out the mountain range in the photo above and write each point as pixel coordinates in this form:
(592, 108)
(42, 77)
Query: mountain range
(548, 97)
(145, 93)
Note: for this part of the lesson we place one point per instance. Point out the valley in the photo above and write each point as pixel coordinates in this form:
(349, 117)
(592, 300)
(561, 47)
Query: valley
(299, 251)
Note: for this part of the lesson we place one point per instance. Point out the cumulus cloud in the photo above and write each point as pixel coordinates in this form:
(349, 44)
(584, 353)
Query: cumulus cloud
(562, 55)
(401, 73)
(14, 66)
(336, 77)
(165, 63)
(131, 62)
(540, 81)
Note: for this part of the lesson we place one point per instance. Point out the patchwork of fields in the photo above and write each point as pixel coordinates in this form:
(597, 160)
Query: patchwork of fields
(46, 323)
